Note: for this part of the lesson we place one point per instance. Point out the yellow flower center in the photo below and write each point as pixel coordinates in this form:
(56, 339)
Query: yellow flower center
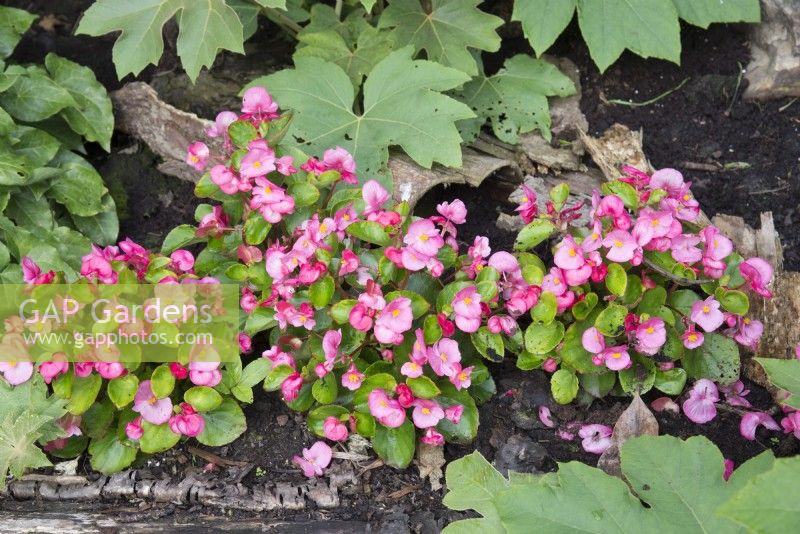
(346, 217)
(267, 190)
(524, 200)
(443, 357)
(462, 376)
(572, 252)
(423, 237)
(692, 337)
(426, 411)
(152, 400)
(618, 243)
(395, 313)
(654, 222)
(479, 267)
(650, 330)
(256, 164)
(686, 197)
(383, 403)
(556, 282)
(747, 321)
(595, 235)
(12, 364)
(467, 301)
(303, 319)
(706, 309)
(323, 228)
(194, 159)
(353, 377)
(616, 355)
(413, 366)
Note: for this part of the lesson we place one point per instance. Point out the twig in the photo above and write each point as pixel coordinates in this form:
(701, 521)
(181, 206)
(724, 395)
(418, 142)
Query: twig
(695, 166)
(786, 106)
(736, 89)
(677, 279)
(616, 101)
(283, 21)
(355, 457)
(57, 479)
(213, 458)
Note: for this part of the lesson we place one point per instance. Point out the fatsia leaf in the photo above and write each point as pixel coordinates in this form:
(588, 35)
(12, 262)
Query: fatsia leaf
(447, 33)
(543, 20)
(13, 23)
(647, 27)
(515, 99)
(92, 117)
(704, 12)
(402, 106)
(681, 482)
(204, 28)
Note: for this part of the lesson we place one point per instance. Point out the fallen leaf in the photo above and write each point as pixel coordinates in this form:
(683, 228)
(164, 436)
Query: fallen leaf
(430, 460)
(636, 420)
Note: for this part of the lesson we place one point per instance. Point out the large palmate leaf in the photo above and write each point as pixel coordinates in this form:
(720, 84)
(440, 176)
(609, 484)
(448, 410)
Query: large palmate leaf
(402, 106)
(680, 481)
(648, 28)
(447, 33)
(786, 375)
(13, 23)
(205, 26)
(515, 99)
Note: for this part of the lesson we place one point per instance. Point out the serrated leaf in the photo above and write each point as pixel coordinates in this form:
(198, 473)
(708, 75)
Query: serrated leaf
(447, 34)
(543, 20)
(13, 23)
(91, 117)
(786, 375)
(402, 106)
(204, 28)
(515, 99)
(646, 27)
(703, 12)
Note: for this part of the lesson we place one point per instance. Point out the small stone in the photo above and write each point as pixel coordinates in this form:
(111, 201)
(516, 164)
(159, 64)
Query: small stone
(522, 455)
(282, 420)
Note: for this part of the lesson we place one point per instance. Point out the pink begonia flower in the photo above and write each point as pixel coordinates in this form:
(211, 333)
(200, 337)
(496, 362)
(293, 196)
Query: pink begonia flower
(566, 435)
(178, 371)
(665, 404)
(455, 212)
(546, 417)
(527, 209)
(212, 223)
(279, 357)
(245, 343)
(228, 181)
(290, 387)
(205, 373)
(554, 282)
(717, 246)
(617, 358)
(221, 123)
(359, 317)
(249, 254)
(758, 275)
(735, 394)
(32, 273)
(621, 246)
(748, 332)
(330, 344)
(315, 459)
(182, 260)
(50, 370)
(550, 365)
(432, 437)
(386, 410)
(669, 180)
(97, 265)
(339, 159)
(593, 341)
(285, 165)
(15, 372)
(443, 357)
(258, 102)
(596, 438)
(257, 162)
(83, 369)
(110, 370)
(271, 201)
(729, 465)
(187, 423)
(651, 336)
(152, 409)
(651, 224)
(197, 155)
(375, 196)
(692, 338)
(461, 377)
(423, 237)
(502, 323)
(334, 429)
(504, 262)
(394, 320)
(707, 314)
(751, 421)
(480, 247)
(594, 240)
(684, 249)
(610, 206)
(404, 395)
(467, 309)
(134, 429)
(700, 407)
(352, 378)
(791, 423)
(350, 262)
(427, 413)
(453, 413)
(568, 254)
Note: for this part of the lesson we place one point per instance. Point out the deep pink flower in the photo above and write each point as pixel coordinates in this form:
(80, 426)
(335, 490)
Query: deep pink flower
(110, 370)
(204, 373)
(596, 438)
(700, 407)
(50, 370)
(271, 201)
(651, 336)
(550, 365)
(461, 377)
(315, 459)
(197, 155)
(152, 409)
(751, 421)
(758, 275)
(502, 323)
(375, 196)
(352, 378)
(97, 265)
(467, 309)
(432, 437)
(134, 429)
(394, 320)
(528, 208)
(443, 357)
(455, 212)
(427, 413)
(334, 429)
(707, 314)
(182, 261)
(453, 413)
(258, 102)
(729, 465)
(330, 344)
(386, 410)
(32, 273)
(791, 423)
(290, 387)
(187, 423)
(735, 394)
(340, 160)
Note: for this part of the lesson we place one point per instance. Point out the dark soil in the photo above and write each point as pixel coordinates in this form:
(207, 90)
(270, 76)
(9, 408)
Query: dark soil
(705, 121)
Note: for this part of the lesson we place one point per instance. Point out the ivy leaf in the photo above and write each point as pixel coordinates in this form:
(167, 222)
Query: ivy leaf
(402, 106)
(703, 12)
(13, 23)
(34, 96)
(514, 99)
(80, 188)
(648, 28)
(447, 33)
(92, 117)
(204, 28)
(542, 31)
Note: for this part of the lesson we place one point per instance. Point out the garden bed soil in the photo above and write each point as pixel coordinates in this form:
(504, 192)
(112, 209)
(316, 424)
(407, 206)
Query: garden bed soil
(703, 122)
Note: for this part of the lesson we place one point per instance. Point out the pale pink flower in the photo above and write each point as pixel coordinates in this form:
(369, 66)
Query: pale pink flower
(616, 358)
(394, 320)
(285, 165)
(197, 155)
(258, 102)
(386, 410)
(205, 373)
(735, 394)
(594, 240)
(593, 341)
(315, 459)
(621, 246)
(97, 265)
(480, 247)
(221, 123)
(651, 224)
(350, 262)
(467, 309)
(427, 413)
(461, 377)
(692, 338)
(182, 261)
(330, 345)
(257, 162)
(751, 421)
(669, 180)
(707, 314)
(455, 212)
(16, 372)
(443, 357)
(596, 438)
(423, 237)
(152, 409)
(651, 336)
(228, 181)
(700, 407)
(791, 423)
(568, 254)
(684, 249)
(375, 196)
(352, 378)
(546, 417)
(334, 429)
(748, 332)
